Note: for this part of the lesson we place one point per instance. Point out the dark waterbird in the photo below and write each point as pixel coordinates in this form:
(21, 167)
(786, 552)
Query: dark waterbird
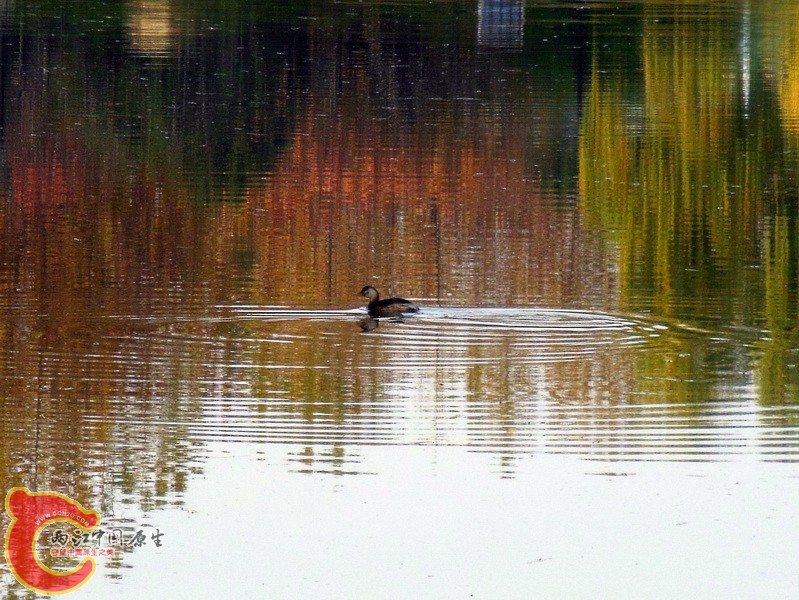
(390, 307)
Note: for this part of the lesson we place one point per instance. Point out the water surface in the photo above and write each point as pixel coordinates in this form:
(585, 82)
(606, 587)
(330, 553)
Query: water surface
(594, 204)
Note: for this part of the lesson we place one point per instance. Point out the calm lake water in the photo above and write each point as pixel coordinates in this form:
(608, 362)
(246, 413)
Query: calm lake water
(596, 205)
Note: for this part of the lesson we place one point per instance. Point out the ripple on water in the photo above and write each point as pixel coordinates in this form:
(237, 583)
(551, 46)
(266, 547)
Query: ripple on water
(413, 383)
(526, 334)
(499, 380)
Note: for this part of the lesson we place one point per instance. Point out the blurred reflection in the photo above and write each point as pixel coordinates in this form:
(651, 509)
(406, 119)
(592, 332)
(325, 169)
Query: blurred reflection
(150, 27)
(368, 323)
(781, 60)
(500, 23)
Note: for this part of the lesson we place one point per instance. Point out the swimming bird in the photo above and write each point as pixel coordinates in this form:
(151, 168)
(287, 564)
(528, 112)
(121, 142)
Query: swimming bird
(390, 307)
